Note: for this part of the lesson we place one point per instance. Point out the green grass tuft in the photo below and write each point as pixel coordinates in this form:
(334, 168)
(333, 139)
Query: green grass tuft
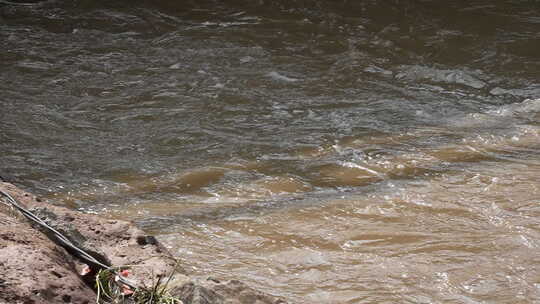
(110, 290)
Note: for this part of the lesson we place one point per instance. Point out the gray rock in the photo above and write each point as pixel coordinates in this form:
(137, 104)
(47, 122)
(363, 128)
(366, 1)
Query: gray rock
(212, 291)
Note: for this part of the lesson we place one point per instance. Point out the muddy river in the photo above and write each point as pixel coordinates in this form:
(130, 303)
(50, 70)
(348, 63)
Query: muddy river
(323, 151)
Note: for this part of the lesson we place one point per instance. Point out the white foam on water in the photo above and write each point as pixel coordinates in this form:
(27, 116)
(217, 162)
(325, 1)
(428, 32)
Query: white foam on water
(277, 76)
(357, 166)
(528, 106)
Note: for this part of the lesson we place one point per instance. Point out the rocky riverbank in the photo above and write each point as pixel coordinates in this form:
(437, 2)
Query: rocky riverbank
(37, 270)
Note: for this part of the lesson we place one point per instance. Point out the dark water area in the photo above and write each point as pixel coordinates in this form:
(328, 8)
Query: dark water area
(325, 151)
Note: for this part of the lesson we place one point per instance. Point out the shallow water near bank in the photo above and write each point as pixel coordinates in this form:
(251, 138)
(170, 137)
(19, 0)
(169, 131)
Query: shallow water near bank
(326, 152)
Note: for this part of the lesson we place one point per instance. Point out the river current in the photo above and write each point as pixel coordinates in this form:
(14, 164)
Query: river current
(322, 151)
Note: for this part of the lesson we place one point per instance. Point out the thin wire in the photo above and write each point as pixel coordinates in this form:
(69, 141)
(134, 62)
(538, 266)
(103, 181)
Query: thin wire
(63, 239)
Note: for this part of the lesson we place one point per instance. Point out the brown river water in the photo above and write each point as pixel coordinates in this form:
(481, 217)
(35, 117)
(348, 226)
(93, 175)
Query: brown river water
(322, 151)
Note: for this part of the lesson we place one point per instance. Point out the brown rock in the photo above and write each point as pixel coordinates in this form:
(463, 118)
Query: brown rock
(35, 269)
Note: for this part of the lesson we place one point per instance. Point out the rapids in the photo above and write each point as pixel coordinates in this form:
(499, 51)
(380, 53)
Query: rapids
(323, 151)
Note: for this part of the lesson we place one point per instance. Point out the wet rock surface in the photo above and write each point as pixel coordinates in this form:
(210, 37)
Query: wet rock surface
(37, 270)
(231, 292)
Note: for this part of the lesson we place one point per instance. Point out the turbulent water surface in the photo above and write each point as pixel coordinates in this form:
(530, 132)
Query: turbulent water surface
(323, 151)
